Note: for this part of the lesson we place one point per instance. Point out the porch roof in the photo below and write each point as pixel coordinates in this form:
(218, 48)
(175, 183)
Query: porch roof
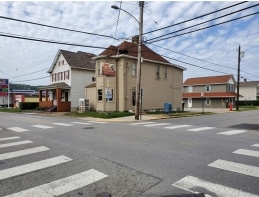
(210, 95)
(61, 85)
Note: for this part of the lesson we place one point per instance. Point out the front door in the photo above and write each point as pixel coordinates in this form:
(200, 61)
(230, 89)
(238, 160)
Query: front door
(189, 102)
(66, 96)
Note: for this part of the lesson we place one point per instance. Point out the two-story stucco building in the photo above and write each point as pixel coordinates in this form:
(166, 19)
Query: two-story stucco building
(212, 91)
(69, 73)
(161, 81)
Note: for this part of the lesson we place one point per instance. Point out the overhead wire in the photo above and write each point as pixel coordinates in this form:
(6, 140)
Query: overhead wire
(205, 21)
(195, 18)
(204, 27)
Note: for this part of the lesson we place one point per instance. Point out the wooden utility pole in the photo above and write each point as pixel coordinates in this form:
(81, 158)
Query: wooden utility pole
(238, 78)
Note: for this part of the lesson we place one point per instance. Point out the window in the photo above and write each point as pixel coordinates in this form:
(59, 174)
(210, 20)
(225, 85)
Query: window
(207, 101)
(66, 75)
(158, 72)
(190, 89)
(93, 79)
(133, 98)
(208, 88)
(55, 77)
(109, 94)
(61, 76)
(165, 72)
(100, 95)
(100, 72)
(230, 88)
(133, 70)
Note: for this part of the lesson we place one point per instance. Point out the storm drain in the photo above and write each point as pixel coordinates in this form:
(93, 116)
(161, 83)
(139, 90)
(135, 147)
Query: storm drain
(105, 194)
(186, 195)
(89, 128)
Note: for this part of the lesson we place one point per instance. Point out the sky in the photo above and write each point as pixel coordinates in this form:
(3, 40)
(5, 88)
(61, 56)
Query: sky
(22, 61)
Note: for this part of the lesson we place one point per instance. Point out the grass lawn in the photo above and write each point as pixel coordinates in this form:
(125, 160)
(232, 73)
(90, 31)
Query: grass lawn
(11, 110)
(100, 114)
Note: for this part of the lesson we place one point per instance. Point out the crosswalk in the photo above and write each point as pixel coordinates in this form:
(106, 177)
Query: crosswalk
(197, 185)
(52, 126)
(51, 189)
(185, 127)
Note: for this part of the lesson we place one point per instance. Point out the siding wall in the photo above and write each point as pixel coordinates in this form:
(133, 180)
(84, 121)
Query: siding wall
(61, 68)
(214, 103)
(248, 93)
(79, 79)
(91, 95)
(214, 88)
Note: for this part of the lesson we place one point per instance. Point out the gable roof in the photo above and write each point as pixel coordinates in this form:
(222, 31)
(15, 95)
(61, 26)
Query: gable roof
(132, 48)
(249, 84)
(79, 60)
(222, 79)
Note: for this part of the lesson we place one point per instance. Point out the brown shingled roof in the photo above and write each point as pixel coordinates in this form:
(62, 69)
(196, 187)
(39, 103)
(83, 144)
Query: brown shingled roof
(79, 59)
(249, 84)
(132, 48)
(207, 80)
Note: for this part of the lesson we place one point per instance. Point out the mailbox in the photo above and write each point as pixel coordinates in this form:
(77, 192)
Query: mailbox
(168, 107)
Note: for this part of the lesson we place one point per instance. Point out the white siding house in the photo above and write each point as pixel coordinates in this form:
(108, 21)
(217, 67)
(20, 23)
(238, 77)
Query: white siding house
(69, 73)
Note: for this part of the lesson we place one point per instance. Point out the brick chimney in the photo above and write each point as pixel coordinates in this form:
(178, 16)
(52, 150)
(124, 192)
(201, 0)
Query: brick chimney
(135, 39)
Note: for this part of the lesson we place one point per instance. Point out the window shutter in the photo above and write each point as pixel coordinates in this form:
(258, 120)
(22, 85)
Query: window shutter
(52, 77)
(64, 75)
(63, 62)
(61, 76)
(68, 74)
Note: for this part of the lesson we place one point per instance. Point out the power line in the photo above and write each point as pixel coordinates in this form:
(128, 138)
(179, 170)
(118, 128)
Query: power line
(195, 17)
(40, 24)
(205, 21)
(204, 27)
(32, 79)
(203, 60)
(30, 73)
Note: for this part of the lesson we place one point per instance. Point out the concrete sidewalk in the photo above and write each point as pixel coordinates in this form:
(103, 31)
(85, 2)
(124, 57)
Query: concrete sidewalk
(214, 110)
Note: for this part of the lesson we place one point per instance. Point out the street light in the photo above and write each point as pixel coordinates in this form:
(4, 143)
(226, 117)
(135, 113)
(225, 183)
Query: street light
(140, 23)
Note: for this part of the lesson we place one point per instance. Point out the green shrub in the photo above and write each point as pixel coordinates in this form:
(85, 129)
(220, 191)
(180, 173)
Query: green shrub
(249, 103)
(28, 105)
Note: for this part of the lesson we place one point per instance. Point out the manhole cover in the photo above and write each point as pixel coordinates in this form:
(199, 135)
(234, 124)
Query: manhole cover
(89, 128)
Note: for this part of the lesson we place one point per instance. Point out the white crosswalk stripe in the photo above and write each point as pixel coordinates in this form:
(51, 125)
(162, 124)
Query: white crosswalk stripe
(200, 129)
(63, 124)
(190, 183)
(158, 124)
(17, 129)
(255, 145)
(178, 126)
(81, 123)
(11, 172)
(9, 138)
(15, 143)
(140, 123)
(62, 186)
(42, 126)
(236, 167)
(23, 152)
(97, 122)
(247, 152)
(29, 113)
(232, 132)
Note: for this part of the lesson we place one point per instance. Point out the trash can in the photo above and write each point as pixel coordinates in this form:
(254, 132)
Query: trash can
(168, 108)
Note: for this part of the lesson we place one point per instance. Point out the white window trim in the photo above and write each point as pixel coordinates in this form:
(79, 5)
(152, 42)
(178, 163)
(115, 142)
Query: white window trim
(206, 101)
(190, 89)
(209, 88)
(165, 73)
(98, 95)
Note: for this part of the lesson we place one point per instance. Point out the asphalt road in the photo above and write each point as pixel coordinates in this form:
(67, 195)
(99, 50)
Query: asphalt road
(46, 156)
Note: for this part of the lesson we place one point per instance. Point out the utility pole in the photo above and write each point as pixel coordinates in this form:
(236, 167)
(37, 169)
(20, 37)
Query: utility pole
(141, 5)
(238, 78)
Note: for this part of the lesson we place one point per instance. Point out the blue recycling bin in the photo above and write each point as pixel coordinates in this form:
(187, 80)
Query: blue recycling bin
(168, 108)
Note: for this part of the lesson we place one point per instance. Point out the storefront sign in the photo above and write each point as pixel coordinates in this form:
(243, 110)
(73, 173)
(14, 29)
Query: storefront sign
(108, 69)
(3, 87)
